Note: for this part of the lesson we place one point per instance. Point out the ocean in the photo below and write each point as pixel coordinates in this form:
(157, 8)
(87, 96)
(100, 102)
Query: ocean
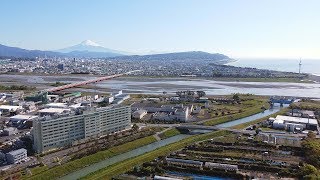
(289, 65)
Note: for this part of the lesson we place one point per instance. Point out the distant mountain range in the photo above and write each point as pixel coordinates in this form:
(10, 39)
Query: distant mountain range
(90, 49)
(179, 56)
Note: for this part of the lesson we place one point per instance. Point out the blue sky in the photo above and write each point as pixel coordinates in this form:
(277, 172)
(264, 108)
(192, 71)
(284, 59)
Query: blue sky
(237, 28)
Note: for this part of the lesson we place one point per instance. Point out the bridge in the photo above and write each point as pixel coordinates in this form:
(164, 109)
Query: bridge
(77, 84)
(281, 100)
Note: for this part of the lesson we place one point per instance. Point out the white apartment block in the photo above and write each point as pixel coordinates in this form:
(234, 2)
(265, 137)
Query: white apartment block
(51, 133)
(14, 157)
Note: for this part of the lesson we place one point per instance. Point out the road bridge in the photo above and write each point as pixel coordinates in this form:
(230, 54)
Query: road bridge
(77, 84)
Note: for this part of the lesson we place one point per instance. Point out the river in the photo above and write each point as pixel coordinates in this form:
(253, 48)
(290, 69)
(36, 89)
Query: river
(121, 157)
(265, 113)
(144, 149)
(171, 85)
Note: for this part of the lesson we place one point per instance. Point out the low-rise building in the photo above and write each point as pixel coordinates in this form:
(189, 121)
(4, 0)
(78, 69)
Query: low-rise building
(18, 119)
(294, 123)
(57, 105)
(17, 156)
(139, 114)
(9, 109)
(10, 131)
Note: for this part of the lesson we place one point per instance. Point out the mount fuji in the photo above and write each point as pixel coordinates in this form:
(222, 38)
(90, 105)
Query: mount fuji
(88, 47)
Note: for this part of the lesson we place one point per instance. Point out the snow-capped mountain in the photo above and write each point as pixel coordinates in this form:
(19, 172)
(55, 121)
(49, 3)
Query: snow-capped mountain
(90, 46)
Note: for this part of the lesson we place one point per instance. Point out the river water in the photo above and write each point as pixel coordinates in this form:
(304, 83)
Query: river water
(144, 149)
(121, 157)
(267, 112)
(171, 85)
(155, 86)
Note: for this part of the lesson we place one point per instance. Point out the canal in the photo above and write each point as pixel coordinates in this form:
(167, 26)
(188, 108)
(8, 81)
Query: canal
(121, 157)
(276, 108)
(144, 149)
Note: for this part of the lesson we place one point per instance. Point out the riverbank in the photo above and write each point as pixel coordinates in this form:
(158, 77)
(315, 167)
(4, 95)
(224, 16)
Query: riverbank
(255, 107)
(121, 167)
(74, 165)
(64, 77)
(134, 85)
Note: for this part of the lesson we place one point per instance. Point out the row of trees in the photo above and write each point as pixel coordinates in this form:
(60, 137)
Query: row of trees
(17, 87)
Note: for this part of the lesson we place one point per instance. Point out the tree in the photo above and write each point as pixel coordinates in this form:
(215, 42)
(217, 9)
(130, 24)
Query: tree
(309, 171)
(236, 97)
(135, 127)
(201, 93)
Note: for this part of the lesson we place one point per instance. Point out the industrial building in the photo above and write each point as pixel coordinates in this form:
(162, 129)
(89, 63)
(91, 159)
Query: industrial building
(57, 132)
(17, 156)
(6, 109)
(294, 123)
(22, 121)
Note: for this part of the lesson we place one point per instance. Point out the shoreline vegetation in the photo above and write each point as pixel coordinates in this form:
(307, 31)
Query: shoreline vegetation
(69, 167)
(123, 166)
(311, 78)
(254, 107)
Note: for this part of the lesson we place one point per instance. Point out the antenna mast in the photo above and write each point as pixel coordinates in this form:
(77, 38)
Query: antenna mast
(300, 64)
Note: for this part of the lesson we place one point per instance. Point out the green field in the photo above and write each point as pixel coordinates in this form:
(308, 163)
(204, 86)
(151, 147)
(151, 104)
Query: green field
(124, 166)
(71, 166)
(249, 108)
(169, 133)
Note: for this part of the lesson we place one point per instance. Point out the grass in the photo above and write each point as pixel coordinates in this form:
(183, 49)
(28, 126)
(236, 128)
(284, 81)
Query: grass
(250, 105)
(307, 105)
(38, 169)
(169, 133)
(71, 166)
(246, 112)
(244, 125)
(124, 166)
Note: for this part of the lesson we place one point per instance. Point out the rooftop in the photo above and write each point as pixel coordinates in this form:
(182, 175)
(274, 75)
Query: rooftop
(281, 118)
(60, 105)
(23, 117)
(53, 110)
(16, 152)
(7, 107)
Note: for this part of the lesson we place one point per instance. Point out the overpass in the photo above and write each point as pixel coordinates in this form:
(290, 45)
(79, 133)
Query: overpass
(77, 84)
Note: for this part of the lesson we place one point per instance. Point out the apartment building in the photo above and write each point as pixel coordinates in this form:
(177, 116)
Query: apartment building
(50, 133)
(16, 156)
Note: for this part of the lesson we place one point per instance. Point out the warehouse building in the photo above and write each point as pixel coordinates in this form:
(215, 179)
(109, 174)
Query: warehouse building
(57, 132)
(19, 119)
(294, 123)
